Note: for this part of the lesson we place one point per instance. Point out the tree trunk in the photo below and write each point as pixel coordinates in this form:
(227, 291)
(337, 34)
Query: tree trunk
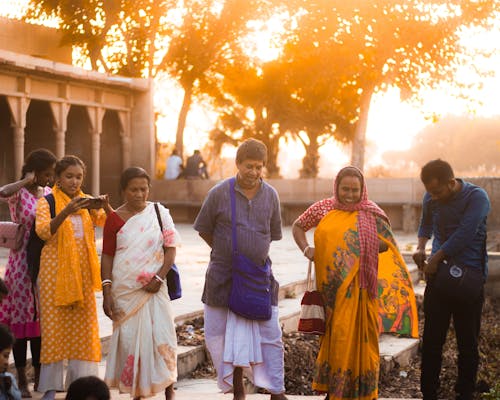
(273, 170)
(310, 161)
(358, 143)
(181, 122)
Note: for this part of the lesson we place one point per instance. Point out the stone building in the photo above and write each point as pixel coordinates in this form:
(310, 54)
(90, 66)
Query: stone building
(106, 120)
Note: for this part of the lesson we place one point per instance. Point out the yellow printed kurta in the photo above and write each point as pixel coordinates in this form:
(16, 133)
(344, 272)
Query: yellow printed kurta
(347, 366)
(68, 332)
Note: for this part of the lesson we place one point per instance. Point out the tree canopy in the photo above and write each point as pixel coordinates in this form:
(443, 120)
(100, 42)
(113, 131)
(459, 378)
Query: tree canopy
(336, 54)
(371, 45)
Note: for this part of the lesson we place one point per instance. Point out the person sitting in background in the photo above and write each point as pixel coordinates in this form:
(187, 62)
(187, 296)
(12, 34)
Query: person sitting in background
(88, 388)
(8, 384)
(174, 166)
(196, 167)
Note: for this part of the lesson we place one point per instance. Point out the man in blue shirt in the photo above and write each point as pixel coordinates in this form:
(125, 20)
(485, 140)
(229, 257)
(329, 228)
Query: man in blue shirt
(453, 213)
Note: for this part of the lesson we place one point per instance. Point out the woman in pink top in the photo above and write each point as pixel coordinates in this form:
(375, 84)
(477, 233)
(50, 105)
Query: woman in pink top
(19, 310)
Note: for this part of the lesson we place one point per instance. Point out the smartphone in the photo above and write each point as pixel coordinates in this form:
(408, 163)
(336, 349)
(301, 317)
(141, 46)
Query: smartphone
(95, 203)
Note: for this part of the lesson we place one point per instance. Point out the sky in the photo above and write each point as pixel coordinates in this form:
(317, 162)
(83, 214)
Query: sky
(392, 123)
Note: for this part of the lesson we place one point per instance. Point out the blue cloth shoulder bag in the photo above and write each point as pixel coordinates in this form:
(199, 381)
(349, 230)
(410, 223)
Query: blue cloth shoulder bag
(173, 276)
(250, 295)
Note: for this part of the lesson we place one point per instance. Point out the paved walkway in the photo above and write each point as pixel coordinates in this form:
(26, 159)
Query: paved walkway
(192, 258)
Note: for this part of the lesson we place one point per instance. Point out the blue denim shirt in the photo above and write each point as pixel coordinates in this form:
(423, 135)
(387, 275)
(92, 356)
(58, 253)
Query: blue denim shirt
(14, 392)
(458, 226)
(258, 222)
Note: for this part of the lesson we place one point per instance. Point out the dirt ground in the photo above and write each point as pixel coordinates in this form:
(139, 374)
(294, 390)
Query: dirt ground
(403, 382)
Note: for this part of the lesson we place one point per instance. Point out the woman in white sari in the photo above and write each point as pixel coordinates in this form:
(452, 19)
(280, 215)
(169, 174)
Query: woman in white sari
(136, 257)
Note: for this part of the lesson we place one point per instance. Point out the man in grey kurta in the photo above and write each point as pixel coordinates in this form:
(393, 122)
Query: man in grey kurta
(258, 223)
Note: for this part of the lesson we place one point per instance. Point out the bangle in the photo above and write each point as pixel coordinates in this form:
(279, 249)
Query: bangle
(106, 282)
(305, 250)
(159, 278)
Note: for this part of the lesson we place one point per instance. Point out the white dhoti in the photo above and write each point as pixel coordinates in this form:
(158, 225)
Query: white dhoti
(255, 346)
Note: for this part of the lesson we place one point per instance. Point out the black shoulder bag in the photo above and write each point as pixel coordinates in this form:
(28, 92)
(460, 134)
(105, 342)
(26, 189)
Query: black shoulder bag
(35, 244)
(460, 283)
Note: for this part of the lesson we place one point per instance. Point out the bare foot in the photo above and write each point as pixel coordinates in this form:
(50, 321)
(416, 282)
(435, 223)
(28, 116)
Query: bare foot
(280, 396)
(170, 392)
(238, 388)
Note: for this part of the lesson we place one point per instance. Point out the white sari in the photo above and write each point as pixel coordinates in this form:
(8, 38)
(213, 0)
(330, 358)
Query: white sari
(142, 358)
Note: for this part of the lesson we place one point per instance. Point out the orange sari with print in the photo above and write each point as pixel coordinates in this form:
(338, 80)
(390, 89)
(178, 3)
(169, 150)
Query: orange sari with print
(347, 366)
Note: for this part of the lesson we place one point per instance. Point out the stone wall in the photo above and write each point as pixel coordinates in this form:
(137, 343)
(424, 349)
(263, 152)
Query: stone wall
(34, 40)
(400, 198)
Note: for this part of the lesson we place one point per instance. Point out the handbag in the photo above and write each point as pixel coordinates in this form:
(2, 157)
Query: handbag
(173, 276)
(459, 283)
(11, 235)
(312, 309)
(250, 295)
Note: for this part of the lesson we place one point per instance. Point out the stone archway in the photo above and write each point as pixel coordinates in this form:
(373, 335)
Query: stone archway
(39, 131)
(79, 140)
(111, 167)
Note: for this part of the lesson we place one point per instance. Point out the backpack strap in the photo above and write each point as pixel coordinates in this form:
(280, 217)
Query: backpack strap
(52, 204)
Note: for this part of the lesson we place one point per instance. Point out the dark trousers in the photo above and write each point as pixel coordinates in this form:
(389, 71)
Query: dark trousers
(438, 311)
(19, 350)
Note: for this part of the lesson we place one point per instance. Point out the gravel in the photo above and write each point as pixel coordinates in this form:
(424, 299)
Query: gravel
(402, 382)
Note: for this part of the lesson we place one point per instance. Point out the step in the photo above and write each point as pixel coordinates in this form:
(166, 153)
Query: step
(203, 389)
(393, 350)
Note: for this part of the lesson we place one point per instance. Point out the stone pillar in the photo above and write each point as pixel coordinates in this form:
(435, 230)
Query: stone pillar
(18, 107)
(126, 151)
(96, 115)
(124, 118)
(96, 162)
(60, 143)
(18, 150)
(60, 112)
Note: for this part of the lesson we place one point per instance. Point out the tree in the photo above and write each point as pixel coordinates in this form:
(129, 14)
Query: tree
(254, 101)
(203, 45)
(452, 138)
(121, 36)
(140, 38)
(382, 43)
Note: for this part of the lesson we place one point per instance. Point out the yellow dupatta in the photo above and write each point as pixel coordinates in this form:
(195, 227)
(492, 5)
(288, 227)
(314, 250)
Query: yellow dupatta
(347, 366)
(69, 287)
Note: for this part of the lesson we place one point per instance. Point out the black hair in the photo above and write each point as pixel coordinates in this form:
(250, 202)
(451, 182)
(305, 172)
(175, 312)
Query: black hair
(68, 161)
(37, 161)
(88, 388)
(6, 337)
(131, 173)
(3, 288)
(251, 149)
(436, 169)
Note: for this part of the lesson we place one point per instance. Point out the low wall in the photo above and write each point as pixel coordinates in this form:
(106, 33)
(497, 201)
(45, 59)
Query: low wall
(400, 198)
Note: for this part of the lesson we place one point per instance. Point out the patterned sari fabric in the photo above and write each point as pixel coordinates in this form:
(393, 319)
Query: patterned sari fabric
(142, 357)
(348, 361)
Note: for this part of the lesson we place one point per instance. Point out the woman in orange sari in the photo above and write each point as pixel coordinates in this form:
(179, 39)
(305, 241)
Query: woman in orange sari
(364, 282)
